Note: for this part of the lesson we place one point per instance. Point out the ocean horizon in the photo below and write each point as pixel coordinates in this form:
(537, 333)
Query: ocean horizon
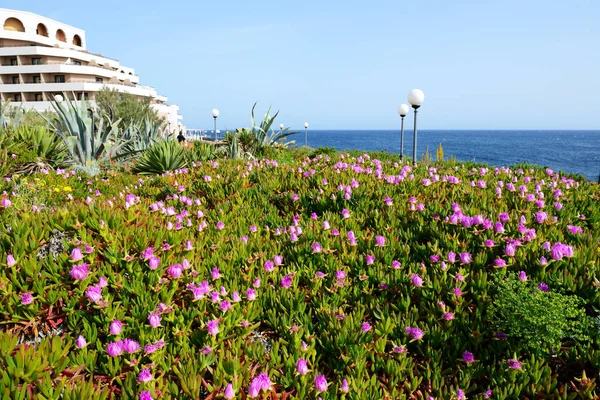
(570, 151)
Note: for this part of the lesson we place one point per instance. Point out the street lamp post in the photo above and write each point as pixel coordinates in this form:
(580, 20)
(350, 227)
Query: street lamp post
(306, 134)
(402, 111)
(415, 98)
(280, 127)
(215, 114)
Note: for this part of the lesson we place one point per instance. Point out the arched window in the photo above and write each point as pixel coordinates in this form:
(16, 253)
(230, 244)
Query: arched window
(13, 24)
(60, 35)
(41, 30)
(77, 40)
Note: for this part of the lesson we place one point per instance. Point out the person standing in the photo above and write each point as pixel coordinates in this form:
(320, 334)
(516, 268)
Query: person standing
(180, 137)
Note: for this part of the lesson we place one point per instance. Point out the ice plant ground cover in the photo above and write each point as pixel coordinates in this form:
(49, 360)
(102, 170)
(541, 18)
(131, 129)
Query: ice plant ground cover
(331, 277)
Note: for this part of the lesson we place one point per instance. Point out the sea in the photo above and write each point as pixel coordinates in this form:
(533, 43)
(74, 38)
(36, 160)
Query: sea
(575, 152)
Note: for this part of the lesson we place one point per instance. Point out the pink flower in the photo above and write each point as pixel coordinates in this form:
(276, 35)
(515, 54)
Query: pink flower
(510, 249)
(145, 395)
(10, 260)
(448, 316)
(278, 260)
(514, 364)
(345, 213)
(115, 349)
(145, 375)
(460, 395)
(115, 327)
(365, 327)
(79, 272)
(370, 259)
(130, 346)
(80, 342)
(154, 319)
(414, 333)
(321, 383)
(286, 281)
(457, 291)
(301, 366)
(229, 392)
(215, 274)
(498, 262)
(225, 305)
(465, 258)
(269, 266)
(317, 248)
(213, 327)
(220, 225)
(522, 276)
(153, 262)
(94, 293)
(76, 254)
(326, 225)
(251, 294)
(468, 357)
(188, 245)
(175, 270)
(417, 280)
(380, 241)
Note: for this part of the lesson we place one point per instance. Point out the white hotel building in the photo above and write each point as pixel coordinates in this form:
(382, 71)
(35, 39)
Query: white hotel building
(40, 58)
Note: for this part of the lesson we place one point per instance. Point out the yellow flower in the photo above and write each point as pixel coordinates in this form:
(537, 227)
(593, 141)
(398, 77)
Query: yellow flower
(67, 188)
(57, 189)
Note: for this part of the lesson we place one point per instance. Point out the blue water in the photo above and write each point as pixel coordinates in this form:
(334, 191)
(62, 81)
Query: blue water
(568, 151)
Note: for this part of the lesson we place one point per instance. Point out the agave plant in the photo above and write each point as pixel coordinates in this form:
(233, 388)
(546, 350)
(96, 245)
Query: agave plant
(88, 144)
(141, 135)
(47, 150)
(11, 117)
(164, 155)
(264, 133)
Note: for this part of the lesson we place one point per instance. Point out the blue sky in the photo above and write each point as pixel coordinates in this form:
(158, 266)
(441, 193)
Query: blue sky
(483, 64)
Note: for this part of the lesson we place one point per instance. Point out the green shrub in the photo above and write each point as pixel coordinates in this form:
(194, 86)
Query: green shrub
(163, 156)
(540, 320)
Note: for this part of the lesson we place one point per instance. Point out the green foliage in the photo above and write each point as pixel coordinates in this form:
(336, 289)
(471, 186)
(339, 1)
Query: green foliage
(202, 151)
(162, 156)
(46, 146)
(540, 320)
(125, 107)
(89, 143)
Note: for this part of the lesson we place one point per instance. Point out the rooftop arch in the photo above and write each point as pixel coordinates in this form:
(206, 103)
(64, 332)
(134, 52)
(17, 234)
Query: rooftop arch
(41, 30)
(14, 24)
(60, 35)
(77, 40)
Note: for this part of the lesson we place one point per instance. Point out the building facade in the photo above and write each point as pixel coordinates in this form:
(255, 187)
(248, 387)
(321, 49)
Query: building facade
(40, 58)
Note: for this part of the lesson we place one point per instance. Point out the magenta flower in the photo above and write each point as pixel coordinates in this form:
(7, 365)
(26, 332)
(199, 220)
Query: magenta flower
(345, 213)
(80, 342)
(414, 333)
(10, 260)
(102, 282)
(188, 245)
(153, 262)
(417, 280)
(510, 249)
(79, 272)
(465, 258)
(448, 316)
(145, 375)
(269, 266)
(251, 294)
(498, 262)
(145, 395)
(460, 395)
(543, 261)
(256, 283)
(150, 348)
(365, 327)
(94, 293)
(286, 281)
(489, 243)
(261, 382)
(175, 270)
(514, 364)
(487, 394)
(301, 366)
(326, 225)
(380, 241)
(451, 257)
(522, 276)
(468, 357)
(116, 327)
(543, 287)
(278, 260)
(457, 291)
(220, 225)
(225, 306)
(229, 392)
(396, 264)
(215, 273)
(316, 247)
(130, 346)
(213, 327)
(370, 259)
(115, 349)
(154, 319)
(321, 383)
(5, 202)
(345, 388)
(76, 254)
